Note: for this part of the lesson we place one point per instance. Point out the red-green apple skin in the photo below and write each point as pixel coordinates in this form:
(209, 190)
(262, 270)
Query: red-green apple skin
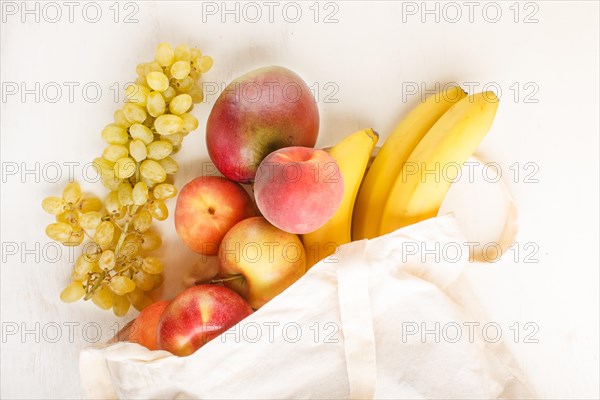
(144, 328)
(259, 112)
(207, 207)
(198, 315)
(259, 260)
(298, 189)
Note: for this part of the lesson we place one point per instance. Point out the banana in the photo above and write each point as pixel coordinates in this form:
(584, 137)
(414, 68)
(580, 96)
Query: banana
(425, 179)
(352, 155)
(393, 154)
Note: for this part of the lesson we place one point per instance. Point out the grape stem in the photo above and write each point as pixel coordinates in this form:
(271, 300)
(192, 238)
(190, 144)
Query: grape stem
(229, 278)
(124, 231)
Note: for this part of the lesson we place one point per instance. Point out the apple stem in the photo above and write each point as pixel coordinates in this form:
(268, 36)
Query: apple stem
(221, 280)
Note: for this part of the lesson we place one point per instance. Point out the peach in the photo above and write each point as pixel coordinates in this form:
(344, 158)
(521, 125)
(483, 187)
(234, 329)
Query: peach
(207, 207)
(257, 113)
(259, 261)
(198, 315)
(144, 327)
(298, 189)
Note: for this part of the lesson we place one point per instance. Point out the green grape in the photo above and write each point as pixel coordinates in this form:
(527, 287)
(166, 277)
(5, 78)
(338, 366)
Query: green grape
(152, 265)
(149, 122)
(148, 182)
(121, 284)
(113, 152)
(156, 104)
(125, 193)
(141, 81)
(151, 241)
(139, 299)
(138, 150)
(157, 81)
(190, 123)
(167, 72)
(59, 231)
(142, 69)
(136, 94)
(140, 193)
(107, 260)
(175, 139)
(158, 280)
(164, 54)
(103, 297)
(180, 69)
(176, 149)
(84, 265)
(101, 164)
(134, 113)
(185, 84)
(131, 245)
(169, 165)
(143, 280)
(69, 217)
(164, 191)
(195, 74)
(75, 239)
(90, 203)
(114, 134)
(141, 132)
(158, 209)
(142, 221)
(53, 205)
(159, 149)
(121, 120)
(110, 180)
(152, 170)
(125, 167)
(168, 124)
(78, 277)
(104, 233)
(180, 104)
(111, 203)
(195, 53)
(183, 53)
(169, 93)
(154, 67)
(90, 220)
(121, 305)
(197, 94)
(73, 292)
(203, 64)
(72, 193)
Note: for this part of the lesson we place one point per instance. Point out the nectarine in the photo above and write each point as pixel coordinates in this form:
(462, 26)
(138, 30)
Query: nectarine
(298, 189)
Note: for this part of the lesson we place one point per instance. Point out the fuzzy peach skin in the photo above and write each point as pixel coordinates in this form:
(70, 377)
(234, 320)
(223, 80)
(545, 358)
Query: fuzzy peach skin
(259, 261)
(207, 207)
(298, 189)
(198, 315)
(143, 329)
(259, 112)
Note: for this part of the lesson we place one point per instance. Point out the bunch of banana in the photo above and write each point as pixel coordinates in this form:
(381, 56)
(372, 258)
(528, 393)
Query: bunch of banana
(392, 156)
(404, 183)
(419, 189)
(352, 156)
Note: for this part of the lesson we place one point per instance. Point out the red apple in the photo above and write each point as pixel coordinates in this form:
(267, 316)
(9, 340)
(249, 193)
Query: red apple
(207, 207)
(259, 261)
(298, 189)
(259, 112)
(143, 329)
(198, 315)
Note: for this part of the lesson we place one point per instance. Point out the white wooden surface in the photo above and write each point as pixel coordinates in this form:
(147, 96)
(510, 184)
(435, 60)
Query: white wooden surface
(366, 62)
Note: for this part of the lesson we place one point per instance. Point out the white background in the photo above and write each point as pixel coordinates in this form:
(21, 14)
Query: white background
(365, 62)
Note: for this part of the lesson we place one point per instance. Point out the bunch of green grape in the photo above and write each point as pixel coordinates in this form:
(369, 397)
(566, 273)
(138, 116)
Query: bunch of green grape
(114, 270)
